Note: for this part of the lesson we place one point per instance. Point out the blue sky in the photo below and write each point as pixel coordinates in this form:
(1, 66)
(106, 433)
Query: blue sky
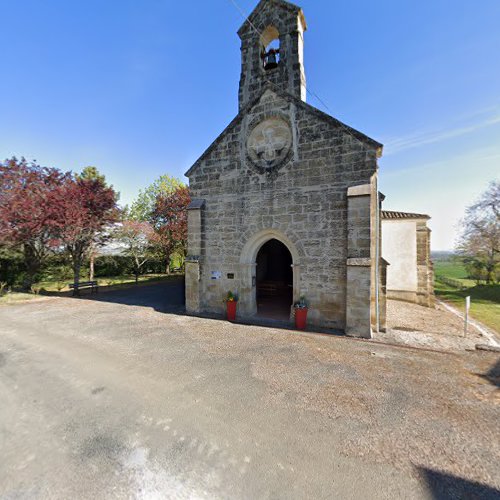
(141, 87)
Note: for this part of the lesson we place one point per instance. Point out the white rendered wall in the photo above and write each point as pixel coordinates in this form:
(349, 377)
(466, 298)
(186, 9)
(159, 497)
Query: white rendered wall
(399, 249)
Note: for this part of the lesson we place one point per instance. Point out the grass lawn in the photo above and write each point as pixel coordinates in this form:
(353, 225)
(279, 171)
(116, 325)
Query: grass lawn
(485, 299)
(12, 298)
(106, 281)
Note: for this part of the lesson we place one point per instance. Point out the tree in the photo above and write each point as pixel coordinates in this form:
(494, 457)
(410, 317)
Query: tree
(93, 174)
(28, 211)
(170, 222)
(86, 207)
(137, 237)
(480, 239)
(143, 208)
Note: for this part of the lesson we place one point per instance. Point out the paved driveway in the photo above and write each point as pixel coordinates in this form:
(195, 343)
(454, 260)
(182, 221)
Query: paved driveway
(126, 397)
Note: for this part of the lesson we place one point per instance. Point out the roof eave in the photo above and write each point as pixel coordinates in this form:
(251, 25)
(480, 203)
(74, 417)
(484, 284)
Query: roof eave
(322, 115)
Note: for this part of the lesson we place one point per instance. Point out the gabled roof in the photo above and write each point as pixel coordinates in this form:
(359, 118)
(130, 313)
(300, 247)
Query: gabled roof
(295, 9)
(390, 215)
(300, 104)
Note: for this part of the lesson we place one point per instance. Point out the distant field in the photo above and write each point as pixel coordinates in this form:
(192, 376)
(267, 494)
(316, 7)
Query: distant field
(485, 299)
(454, 270)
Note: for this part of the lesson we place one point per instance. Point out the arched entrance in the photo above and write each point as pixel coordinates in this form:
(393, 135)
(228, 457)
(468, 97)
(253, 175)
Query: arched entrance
(274, 280)
(248, 268)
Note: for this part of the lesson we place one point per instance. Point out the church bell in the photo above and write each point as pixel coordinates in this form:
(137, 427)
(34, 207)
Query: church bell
(270, 59)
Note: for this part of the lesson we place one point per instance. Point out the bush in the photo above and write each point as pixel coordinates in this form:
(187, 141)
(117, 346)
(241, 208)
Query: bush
(58, 268)
(11, 268)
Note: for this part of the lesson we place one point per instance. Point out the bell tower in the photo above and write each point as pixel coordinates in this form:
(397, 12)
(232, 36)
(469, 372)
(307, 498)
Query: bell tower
(272, 50)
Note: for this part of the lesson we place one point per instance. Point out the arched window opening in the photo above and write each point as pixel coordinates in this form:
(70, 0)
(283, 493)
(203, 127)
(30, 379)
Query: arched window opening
(270, 52)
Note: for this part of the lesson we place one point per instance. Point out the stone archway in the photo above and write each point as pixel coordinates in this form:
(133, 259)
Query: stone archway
(248, 265)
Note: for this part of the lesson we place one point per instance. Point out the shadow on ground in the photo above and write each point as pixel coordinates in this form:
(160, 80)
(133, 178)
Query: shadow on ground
(444, 486)
(165, 296)
(493, 375)
(168, 297)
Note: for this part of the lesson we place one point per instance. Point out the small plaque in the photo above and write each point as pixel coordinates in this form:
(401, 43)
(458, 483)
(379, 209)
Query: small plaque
(230, 276)
(216, 275)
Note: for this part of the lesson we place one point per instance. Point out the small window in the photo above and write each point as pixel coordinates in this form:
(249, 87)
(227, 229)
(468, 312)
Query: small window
(270, 41)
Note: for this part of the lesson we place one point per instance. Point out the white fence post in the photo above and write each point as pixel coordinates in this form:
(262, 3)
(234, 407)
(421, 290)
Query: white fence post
(467, 308)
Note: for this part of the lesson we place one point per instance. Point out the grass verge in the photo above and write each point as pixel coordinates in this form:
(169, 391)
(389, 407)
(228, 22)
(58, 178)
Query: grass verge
(15, 297)
(485, 301)
(104, 282)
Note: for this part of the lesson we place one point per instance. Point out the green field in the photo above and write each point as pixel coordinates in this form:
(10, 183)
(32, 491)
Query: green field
(452, 269)
(485, 299)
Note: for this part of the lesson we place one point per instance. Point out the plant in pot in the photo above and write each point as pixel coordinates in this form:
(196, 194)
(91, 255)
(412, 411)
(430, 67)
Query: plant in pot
(231, 301)
(300, 309)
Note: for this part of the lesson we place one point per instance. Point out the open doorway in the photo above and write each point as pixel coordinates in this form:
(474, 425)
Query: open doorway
(274, 280)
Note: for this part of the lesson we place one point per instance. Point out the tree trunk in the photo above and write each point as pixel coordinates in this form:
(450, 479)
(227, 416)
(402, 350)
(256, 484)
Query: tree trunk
(91, 265)
(76, 275)
(32, 268)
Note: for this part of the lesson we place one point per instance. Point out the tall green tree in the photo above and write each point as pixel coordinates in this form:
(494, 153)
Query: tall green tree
(143, 208)
(92, 174)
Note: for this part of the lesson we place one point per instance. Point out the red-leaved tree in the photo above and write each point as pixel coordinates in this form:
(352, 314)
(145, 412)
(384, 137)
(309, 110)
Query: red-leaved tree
(170, 222)
(86, 208)
(28, 211)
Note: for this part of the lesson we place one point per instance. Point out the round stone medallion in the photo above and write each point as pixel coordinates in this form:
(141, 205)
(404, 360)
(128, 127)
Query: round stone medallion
(269, 143)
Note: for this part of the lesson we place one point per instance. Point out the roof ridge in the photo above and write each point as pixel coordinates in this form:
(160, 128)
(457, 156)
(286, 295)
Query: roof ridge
(290, 98)
(284, 3)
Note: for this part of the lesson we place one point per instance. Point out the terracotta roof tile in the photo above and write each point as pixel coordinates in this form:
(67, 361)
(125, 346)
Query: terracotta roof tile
(388, 214)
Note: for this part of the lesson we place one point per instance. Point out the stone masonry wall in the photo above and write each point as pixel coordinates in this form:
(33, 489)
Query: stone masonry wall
(425, 270)
(360, 261)
(289, 76)
(305, 199)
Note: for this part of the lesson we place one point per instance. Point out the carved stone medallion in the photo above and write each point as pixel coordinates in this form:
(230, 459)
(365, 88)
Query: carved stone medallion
(269, 143)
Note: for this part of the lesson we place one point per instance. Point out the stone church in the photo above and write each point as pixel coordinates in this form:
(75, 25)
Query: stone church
(285, 200)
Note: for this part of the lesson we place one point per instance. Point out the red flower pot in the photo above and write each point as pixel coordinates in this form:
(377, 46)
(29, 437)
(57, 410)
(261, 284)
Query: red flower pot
(301, 318)
(231, 310)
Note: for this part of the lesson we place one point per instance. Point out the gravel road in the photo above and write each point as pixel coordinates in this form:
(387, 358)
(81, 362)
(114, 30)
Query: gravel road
(436, 328)
(126, 397)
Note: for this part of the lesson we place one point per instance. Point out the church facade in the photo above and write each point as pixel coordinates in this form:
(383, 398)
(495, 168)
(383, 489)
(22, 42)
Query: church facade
(285, 201)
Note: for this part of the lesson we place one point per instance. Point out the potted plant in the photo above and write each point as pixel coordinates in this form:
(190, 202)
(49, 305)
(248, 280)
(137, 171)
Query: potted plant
(300, 309)
(231, 301)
